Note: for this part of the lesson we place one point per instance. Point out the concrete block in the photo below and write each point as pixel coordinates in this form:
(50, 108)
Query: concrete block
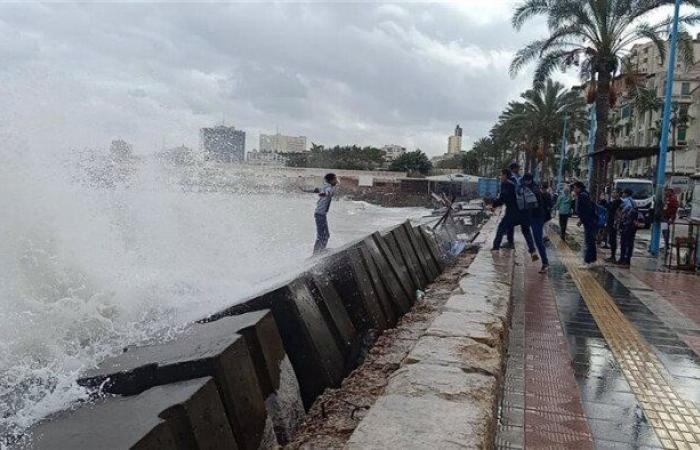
(430, 269)
(409, 257)
(448, 383)
(433, 247)
(494, 302)
(353, 283)
(396, 265)
(393, 245)
(481, 327)
(178, 416)
(400, 301)
(331, 306)
(210, 349)
(379, 289)
(307, 337)
(423, 422)
(460, 352)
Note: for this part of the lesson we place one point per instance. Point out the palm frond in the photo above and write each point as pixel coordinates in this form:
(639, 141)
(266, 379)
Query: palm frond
(527, 11)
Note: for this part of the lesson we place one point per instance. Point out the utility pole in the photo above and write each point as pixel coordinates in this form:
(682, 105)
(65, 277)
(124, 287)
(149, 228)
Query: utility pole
(560, 180)
(663, 148)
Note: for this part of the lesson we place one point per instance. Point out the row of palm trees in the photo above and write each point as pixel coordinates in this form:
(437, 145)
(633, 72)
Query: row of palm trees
(594, 37)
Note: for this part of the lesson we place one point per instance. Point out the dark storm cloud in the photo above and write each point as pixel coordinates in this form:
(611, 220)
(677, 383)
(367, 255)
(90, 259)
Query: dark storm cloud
(364, 73)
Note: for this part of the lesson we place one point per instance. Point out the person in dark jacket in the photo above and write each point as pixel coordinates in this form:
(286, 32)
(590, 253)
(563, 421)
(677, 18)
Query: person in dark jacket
(537, 218)
(587, 216)
(628, 228)
(513, 215)
(611, 224)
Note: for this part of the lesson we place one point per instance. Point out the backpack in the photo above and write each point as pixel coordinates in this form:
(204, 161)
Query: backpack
(602, 216)
(525, 197)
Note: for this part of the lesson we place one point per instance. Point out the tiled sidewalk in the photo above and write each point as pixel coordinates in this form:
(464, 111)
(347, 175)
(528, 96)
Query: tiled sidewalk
(570, 385)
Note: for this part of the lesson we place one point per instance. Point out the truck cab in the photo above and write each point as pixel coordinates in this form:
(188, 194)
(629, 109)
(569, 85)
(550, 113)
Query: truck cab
(642, 194)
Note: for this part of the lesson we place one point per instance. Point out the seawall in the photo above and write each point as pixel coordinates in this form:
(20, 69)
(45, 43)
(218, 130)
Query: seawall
(243, 377)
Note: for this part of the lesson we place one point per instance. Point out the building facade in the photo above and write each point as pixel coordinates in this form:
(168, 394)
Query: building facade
(637, 124)
(393, 152)
(257, 158)
(454, 143)
(279, 143)
(221, 143)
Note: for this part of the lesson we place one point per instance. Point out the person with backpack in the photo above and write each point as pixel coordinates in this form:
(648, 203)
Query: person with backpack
(588, 217)
(537, 209)
(514, 215)
(629, 222)
(564, 207)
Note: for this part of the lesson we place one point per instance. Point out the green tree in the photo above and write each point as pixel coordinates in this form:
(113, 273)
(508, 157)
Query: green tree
(470, 163)
(594, 36)
(412, 162)
(535, 123)
(455, 162)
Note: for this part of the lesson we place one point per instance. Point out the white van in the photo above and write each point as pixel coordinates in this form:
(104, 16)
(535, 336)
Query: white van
(642, 194)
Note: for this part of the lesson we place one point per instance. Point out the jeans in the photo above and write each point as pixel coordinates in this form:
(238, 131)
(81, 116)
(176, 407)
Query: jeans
(537, 225)
(563, 221)
(322, 233)
(506, 228)
(627, 243)
(589, 232)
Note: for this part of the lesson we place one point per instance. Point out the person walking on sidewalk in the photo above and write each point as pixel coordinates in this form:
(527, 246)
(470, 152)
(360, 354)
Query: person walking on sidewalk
(564, 207)
(537, 214)
(602, 211)
(587, 216)
(628, 228)
(514, 215)
(669, 215)
(612, 224)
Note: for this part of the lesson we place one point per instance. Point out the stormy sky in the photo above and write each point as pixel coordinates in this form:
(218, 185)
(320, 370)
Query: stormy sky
(82, 74)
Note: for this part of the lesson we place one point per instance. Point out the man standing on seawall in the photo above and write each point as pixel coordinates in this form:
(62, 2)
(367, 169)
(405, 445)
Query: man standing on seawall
(587, 216)
(325, 195)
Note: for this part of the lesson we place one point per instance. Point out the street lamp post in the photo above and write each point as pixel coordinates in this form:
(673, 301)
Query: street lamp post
(665, 125)
(560, 180)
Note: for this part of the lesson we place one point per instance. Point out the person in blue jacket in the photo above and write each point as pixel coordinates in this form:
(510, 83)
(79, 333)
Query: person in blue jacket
(588, 217)
(513, 215)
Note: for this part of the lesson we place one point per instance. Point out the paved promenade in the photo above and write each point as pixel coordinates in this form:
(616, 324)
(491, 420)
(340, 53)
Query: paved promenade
(608, 358)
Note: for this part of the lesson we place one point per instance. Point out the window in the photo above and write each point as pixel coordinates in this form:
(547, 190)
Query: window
(682, 135)
(626, 111)
(685, 88)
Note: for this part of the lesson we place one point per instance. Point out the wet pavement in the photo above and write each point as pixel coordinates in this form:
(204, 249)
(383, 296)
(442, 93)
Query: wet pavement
(599, 359)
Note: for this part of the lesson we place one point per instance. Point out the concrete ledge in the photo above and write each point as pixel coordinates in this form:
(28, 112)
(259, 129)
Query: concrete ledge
(177, 416)
(445, 395)
(428, 406)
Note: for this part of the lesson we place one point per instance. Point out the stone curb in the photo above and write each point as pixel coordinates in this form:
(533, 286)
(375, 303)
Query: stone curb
(445, 395)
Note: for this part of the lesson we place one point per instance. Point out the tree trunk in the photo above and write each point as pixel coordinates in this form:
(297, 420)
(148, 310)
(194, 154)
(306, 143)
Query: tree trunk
(602, 104)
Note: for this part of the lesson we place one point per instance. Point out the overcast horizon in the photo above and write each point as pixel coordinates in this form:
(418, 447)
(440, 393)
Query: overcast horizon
(366, 73)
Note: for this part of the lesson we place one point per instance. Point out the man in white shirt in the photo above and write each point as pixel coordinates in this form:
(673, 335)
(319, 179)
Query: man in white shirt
(325, 195)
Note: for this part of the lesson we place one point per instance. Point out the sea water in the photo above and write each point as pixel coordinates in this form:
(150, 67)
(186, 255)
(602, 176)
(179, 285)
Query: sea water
(97, 254)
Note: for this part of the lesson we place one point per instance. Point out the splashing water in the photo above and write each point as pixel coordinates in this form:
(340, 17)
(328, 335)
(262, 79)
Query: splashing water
(87, 267)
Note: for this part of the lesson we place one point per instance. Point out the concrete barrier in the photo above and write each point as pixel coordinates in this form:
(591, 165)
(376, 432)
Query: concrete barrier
(430, 269)
(446, 392)
(207, 349)
(269, 357)
(178, 416)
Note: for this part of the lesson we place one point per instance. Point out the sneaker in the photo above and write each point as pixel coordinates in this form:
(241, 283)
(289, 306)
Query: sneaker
(545, 268)
(494, 249)
(508, 246)
(534, 257)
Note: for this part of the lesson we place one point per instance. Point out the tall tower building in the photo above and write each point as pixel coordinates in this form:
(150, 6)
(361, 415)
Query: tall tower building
(223, 143)
(454, 143)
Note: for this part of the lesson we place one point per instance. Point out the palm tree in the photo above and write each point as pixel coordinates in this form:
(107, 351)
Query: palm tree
(535, 122)
(594, 35)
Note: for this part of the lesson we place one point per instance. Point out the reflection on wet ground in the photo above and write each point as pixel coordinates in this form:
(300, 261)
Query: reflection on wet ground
(612, 412)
